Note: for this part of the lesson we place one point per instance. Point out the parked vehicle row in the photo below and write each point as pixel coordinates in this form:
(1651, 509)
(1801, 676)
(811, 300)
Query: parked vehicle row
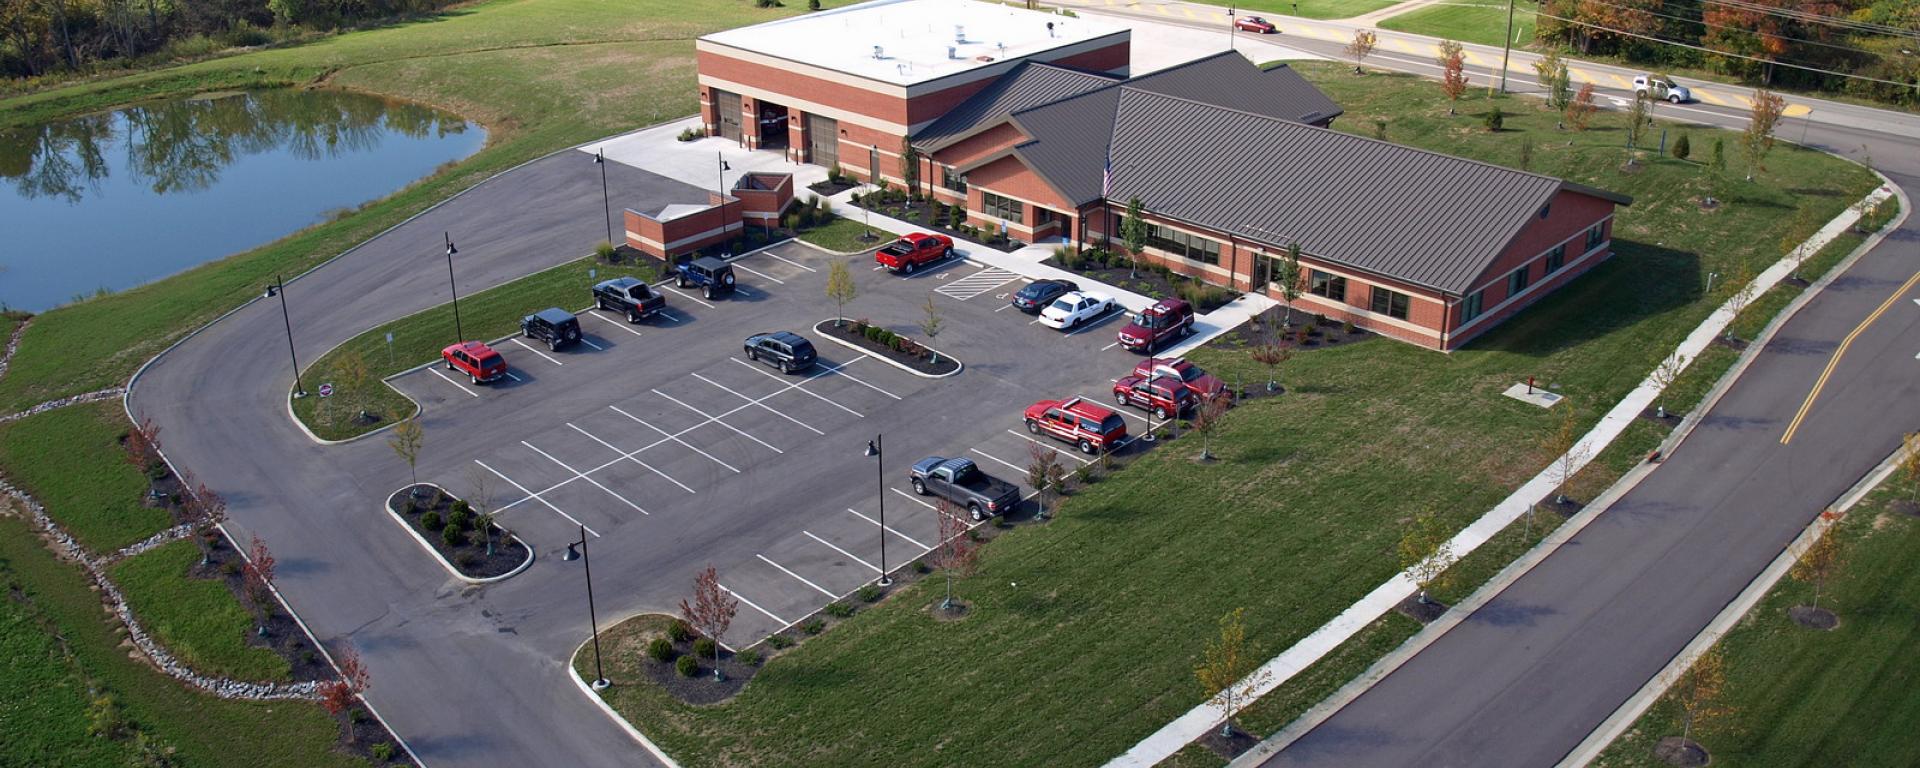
(629, 297)
(963, 483)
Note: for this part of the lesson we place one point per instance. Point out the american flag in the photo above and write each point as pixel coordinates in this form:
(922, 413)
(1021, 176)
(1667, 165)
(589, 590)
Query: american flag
(1106, 175)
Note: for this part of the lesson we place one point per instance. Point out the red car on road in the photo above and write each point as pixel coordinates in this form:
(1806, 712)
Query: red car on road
(1255, 24)
(1162, 396)
(1089, 426)
(478, 360)
(914, 251)
(1202, 383)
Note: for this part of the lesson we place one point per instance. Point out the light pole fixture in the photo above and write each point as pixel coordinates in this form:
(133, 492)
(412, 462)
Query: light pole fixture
(279, 288)
(457, 331)
(606, 200)
(1233, 27)
(600, 682)
(875, 452)
(723, 171)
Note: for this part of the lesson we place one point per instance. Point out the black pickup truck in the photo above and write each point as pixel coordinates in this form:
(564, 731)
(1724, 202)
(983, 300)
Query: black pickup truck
(630, 296)
(961, 482)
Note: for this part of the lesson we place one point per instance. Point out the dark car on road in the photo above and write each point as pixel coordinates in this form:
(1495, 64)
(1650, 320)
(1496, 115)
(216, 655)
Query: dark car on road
(785, 350)
(629, 296)
(1039, 293)
(1166, 320)
(708, 273)
(476, 359)
(961, 482)
(553, 325)
(1255, 24)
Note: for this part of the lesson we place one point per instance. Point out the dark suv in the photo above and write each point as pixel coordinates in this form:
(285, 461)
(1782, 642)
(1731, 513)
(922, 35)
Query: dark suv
(710, 273)
(555, 326)
(633, 297)
(785, 350)
(1166, 320)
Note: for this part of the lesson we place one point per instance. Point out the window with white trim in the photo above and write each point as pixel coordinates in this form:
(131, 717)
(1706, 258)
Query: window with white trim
(1596, 235)
(995, 206)
(1390, 303)
(953, 181)
(1190, 247)
(1329, 285)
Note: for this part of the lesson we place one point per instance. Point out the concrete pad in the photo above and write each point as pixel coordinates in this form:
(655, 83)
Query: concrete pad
(1537, 397)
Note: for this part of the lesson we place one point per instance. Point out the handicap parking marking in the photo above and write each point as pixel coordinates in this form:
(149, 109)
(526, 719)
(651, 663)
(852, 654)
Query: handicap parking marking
(1056, 449)
(583, 476)
(621, 324)
(762, 405)
(624, 456)
(449, 380)
(721, 422)
(975, 284)
(535, 497)
(750, 604)
(529, 348)
(804, 390)
(689, 297)
(752, 271)
(675, 437)
(798, 577)
(890, 529)
(850, 555)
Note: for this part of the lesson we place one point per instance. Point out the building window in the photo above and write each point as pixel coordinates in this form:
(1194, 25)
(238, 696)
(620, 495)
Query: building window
(1516, 281)
(1596, 236)
(1331, 286)
(1390, 303)
(1556, 258)
(995, 206)
(953, 181)
(1474, 304)
(1190, 247)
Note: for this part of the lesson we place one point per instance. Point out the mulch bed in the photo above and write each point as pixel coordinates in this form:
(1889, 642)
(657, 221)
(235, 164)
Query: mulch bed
(1423, 612)
(1908, 507)
(1268, 326)
(1147, 282)
(701, 688)
(1229, 745)
(1685, 753)
(1565, 506)
(942, 612)
(921, 215)
(1813, 618)
(470, 558)
(830, 188)
(914, 356)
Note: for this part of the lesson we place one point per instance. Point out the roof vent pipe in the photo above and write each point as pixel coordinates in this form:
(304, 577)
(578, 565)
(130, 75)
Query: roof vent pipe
(878, 54)
(951, 53)
(959, 33)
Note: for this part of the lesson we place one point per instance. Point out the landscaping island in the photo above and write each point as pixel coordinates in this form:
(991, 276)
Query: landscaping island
(466, 541)
(893, 347)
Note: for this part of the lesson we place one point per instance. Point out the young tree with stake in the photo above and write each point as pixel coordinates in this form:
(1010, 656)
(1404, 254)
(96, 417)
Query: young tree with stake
(1207, 420)
(1133, 231)
(930, 324)
(1744, 292)
(1045, 474)
(1228, 673)
(1698, 691)
(407, 439)
(840, 290)
(143, 445)
(1288, 275)
(1271, 354)
(1425, 553)
(1552, 73)
(1757, 141)
(958, 554)
(1360, 47)
(207, 511)
(480, 499)
(1663, 376)
(711, 611)
(1910, 465)
(338, 696)
(1453, 72)
(257, 574)
(1637, 120)
(1821, 560)
(1579, 112)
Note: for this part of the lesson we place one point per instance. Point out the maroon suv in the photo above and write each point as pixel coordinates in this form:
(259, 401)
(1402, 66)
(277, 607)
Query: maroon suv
(1204, 384)
(1166, 320)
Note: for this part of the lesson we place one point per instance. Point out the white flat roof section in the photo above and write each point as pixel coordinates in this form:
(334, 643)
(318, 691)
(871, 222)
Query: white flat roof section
(916, 40)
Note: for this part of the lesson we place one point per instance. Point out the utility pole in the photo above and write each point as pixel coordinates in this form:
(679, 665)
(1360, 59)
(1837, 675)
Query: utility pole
(1233, 28)
(1506, 47)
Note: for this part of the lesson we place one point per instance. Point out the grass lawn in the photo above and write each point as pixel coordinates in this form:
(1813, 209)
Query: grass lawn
(1802, 697)
(540, 74)
(843, 235)
(1469, 21)
(58, 651)
(1097, 643)
(70, 459)
(197, 619)
(1312, 9)
(419, 337)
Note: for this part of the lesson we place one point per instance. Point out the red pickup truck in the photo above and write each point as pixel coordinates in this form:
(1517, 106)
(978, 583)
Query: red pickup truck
(913, 252)
(1089, 426)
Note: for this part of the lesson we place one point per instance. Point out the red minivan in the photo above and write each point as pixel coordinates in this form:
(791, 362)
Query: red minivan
(1089, 426)
(478, 360)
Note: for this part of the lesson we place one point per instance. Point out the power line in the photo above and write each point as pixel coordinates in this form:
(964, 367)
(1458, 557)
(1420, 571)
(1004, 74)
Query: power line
(1703, 22)
(1728, 54)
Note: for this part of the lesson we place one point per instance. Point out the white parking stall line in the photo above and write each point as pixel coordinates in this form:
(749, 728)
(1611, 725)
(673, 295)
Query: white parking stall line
(854, 557)
(620, 324)
(674, 438)
(671, 316)
(589, 342)
(750, 604)
(449, 380)
(583, 476)
(1110, 346)
(1097, 322)
(763, 406)
(837, 372)
(790, 261)
(1009, 464)
(798, 577)
(529, 348)
(1128, 412)
(913, 498)
(635, 459)
(511, 375)
(744, 268)
(889, 529)
(689, 297)
(803, 390)
(736, 430)
(1056, 449)
(535, 497)
(1005, 307)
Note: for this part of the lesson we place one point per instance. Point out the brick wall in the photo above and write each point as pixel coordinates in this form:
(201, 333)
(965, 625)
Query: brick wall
(717, 223)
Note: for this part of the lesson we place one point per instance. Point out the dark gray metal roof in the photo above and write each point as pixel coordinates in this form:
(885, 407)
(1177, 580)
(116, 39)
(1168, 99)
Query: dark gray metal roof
(1028, 85)
(1068, 145)
(1424, 218)
(1229, 80)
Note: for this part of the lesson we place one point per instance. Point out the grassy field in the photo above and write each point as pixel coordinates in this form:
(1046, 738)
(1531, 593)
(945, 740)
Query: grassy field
(1096, 643)
(1469, 22)
(71, 460)
(1802, 697)
(843, 235)
(195, 618)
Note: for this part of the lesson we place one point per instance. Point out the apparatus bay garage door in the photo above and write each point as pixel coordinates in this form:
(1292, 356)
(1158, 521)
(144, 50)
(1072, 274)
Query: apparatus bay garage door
(823, 140)
(728, 105)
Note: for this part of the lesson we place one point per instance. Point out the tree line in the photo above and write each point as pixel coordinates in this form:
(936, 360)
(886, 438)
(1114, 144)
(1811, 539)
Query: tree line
(1868, 48)
(52, 37)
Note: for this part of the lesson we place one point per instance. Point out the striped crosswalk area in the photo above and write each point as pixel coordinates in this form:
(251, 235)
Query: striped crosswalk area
(977, 283)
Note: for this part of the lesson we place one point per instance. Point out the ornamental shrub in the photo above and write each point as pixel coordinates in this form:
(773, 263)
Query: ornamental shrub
(751, 657)
(453, 536)
(813, 626)
(661, 649)
(779, 641)
(703, 647)
(687, 665)
(1496, 119)
(382, 752)
(459, 518)
(869, 593)
(432, 522)
(839, 610)
(1682, 147)
(679, 631)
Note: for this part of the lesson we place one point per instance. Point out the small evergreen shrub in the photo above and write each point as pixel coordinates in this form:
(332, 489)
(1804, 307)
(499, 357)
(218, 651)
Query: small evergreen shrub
(432, 522)
(839, 610)
(1682, 147)
(382, 752)
(459, 518)
(750, 657)
(869, 593)
(703, 647)
(813, 626)
(466, 559)
(1495, 119)
(661, 650)
(780, 641)
(679, 631)
(453, 537)
(687, 665)
(357, 715)
(921, 567)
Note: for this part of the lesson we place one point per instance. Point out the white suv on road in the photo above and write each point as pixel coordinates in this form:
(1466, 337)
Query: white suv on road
(1657, 87)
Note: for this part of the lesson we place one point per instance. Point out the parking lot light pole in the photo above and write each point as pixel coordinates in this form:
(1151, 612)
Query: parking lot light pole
(880, 474)
(600, 682)
(454, 289)
(606, 200)
(279, 288)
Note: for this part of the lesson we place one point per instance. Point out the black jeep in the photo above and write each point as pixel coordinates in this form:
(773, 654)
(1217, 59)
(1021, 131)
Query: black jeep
(555, 326)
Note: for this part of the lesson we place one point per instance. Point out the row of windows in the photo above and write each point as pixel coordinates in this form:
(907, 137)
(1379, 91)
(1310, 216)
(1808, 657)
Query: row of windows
(953, 181)
(1190, 247)
(1517, 280)
(998, 207)
(1381, 300)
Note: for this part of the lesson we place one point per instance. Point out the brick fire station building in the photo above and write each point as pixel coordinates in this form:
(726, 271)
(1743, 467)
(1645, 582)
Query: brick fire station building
(1035, 124)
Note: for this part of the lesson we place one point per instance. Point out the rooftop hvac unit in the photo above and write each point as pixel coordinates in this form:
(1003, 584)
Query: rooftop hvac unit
(952, 53)
(878, 53)
(959, 33)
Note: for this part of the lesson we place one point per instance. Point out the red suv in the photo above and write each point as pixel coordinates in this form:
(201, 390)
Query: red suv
(1166, 320)
(1163, 396)
(478, 360)
(1091, 427)
(1196, 378)
(914, 251)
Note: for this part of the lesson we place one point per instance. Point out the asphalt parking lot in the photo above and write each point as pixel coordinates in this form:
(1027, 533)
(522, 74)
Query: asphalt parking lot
(664, 430)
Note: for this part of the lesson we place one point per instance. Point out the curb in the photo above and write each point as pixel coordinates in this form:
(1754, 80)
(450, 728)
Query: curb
(428, 546)
(849, 345)
(607, 709)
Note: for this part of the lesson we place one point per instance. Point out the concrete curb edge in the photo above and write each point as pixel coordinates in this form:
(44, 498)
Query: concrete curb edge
(428, 546)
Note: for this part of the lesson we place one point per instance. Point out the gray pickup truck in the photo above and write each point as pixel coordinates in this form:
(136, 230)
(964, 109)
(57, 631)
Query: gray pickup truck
(961, 482)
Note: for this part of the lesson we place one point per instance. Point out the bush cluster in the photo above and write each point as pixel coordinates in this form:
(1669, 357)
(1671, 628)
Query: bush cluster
(750, 657)
(661, 649)
(780, 641)
(1203, 296)
(840, 610)
(813, 626)
(679, 631)
(703, 647)
(432, 521)
(692, 133)
(809, 213)
(890, 340)
(687, 665)
(869, 593)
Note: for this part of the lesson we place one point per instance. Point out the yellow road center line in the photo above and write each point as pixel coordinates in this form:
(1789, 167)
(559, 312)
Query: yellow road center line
(1162, 10)
(1796, 110)
(1834, 361)
(1708, 97)
(1188, 12)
